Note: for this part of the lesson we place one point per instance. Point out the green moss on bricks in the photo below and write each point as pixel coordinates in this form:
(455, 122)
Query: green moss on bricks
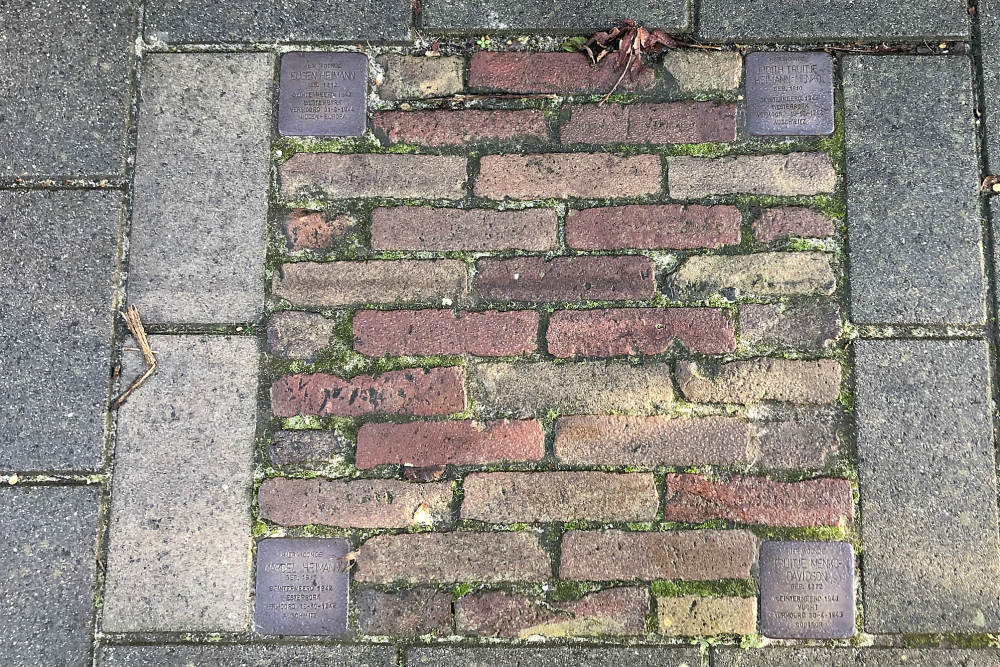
(741, 588)
(808, 534)
(570, 591)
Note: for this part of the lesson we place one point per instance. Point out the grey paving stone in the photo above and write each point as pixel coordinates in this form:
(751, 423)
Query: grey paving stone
(179, 546)
(913, 224)
(818, 20)
(58, 259)
(211, 21)
(246, 656)
(579, 16)
(989, 33)
(851, 657)
(64, 87)
(928, 487)
(552, 657)
(48, 563)
(201, 183)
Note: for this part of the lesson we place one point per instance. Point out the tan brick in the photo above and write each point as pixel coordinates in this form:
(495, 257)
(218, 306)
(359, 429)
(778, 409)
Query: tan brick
(786, 221)
(563, 73)
(653, 441)
(452, 557)
(693, 555)
(615, 611)
(359, 503)
(763, 379)
(782, 175)
(529, 389)
(418, 77)
(695, 616)
(564, 175)
(402, 281)
(427, 228)
(807, 439)
(336, 176)
(296, 335)
(534, 497)
(699, 71)
(764, 274)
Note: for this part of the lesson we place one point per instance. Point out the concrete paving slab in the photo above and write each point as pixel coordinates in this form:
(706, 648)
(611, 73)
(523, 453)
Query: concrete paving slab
(246, 656)
(535, 15)
(989, 41)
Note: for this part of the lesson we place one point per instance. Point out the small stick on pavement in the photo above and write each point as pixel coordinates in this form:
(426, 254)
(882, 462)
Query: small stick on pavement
(134, 323)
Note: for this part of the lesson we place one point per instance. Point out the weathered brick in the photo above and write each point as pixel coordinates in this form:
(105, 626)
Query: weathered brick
(604, 278)
(358, 503)
(628, 331)
(698, 71)
(693, 555)
(563, 73)
(652, 441)
(413, 391)
(449, 128)
(304, 446)
(758, 500)
(313, 230)
(502, 497)
(425, 444)
(782, 175)
(337, 284)
(812, 324)
(426, 228)
(564, 175)
(786, 221)
(653, 226)
(525, 390)
(297, 335)
(452, 557)
(336, 176)
(407, 613)
(763, 379)
(695, 616)
(805, 440)
(675, 123)
(763, 274)
(615, 611)
(417, 77)
(491, 333)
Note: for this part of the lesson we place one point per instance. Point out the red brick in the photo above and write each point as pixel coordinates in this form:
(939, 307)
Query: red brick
(652, 441)
(447, 128)
(490, 333)
(359, 503)
(427, 228)
(627, 331)
(563, 73)
(786, 221)
(425, 444)
(407, 613)
(599, 278)
(313, 230)
(653, 226)
(675, 123)
(615, 611)
(693, 555)
(758, 500)
(336, 284)
(413, 391)
(563, 175)
(453, 557)
(502, 497)
(347, 176)
(763, 379)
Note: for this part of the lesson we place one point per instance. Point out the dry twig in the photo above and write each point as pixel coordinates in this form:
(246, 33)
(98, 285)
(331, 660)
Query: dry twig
(134, 323)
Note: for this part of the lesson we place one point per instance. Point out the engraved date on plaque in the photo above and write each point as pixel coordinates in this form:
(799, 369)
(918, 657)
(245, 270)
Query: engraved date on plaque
(301, 589)
(807, 590)
(789, 94)
(323, 94)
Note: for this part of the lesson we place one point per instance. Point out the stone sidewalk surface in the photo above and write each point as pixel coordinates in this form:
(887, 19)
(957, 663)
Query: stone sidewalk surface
(515, 364)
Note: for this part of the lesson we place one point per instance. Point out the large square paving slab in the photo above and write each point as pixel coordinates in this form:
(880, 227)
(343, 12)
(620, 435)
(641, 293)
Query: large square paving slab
(534, 15)
(48, 563)
(989, 39)
(179, 551)
(201, 182)
(64, 87)
(59, 262)
(246, 656)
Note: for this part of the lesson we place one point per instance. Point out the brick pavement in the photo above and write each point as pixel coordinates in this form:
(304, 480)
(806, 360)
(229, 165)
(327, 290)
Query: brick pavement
(550, 369)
